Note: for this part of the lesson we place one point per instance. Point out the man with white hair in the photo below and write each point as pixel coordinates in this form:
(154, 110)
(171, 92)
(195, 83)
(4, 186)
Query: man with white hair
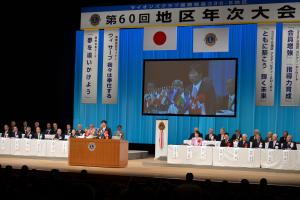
(274, 144)
(289, 144)
(244, 143)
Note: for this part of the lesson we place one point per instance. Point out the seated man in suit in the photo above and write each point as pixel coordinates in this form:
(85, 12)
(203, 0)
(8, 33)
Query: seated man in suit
(269, 137)
(49, 129)
(104, 132)
(196, 130)
(15, 133)
(38, 134)
(221, 135)
(29, 134)
(289, 144)
(284, 136)
(68, 129)
(6, 131)
(258, 142)
(210, 136)
(237, 136)
(59, 135)
(253, 137)
(244, 143)
(79, 131)
(55, 127)
(226, 142)
(274, 144)
(74, 134)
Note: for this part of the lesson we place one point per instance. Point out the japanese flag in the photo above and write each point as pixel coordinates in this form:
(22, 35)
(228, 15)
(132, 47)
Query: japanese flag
(164, 38)
(210, 40)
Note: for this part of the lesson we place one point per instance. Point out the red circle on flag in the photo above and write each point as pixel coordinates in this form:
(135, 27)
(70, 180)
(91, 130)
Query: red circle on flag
(159, 38)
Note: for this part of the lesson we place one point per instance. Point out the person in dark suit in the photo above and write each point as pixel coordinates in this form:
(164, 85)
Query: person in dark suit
(6, 131)
(226, 142)
(244, 143)
(237, 136)
(274, 144)
(48, 130)
(38, 134)
(28, 133)
(79, 130)
(202, 92)
(12, 125)
(104, 132)
(284, 136)
(269, 137)
(25, 124)
(289, 144)
(253, 137)
(55, 127)
(211, 136)
(221, 135)
(15, 133)
(68, 129)
(74, 134)
(258, 142)
(59, 135)
(196, 131)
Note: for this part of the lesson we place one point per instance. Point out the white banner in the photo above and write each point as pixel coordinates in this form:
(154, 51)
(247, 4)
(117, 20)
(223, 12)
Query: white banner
(90, 67)
(190, 15)
(161, 138)
(110, 66)
(290, 77)
(211, 40)
(265, 64)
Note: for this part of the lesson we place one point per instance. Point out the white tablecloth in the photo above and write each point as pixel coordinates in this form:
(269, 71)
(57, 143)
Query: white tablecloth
(204, 143)
(33, 147)
(236, 157)
(280, 159)
(192, 155)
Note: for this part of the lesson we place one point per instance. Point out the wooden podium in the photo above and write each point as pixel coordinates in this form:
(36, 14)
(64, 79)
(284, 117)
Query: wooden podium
(98, 152)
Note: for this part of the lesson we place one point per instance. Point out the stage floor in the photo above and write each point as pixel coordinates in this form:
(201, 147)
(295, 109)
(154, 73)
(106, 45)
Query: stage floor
(148, 167)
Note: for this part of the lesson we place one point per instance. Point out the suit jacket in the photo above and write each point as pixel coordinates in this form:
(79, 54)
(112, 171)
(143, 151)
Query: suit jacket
(207, 137)
(101, 133)
(252, 138)
(193, 135)
(219, 137)
(256, 144)
(282, 140)
(226, 143)
(235, 137)
(49, 131)
(3, 134)
(208, 90)
(292, 146)
(79, 132)
(62, 136)
(244, 144)
(15, 135)
(27, 135)
(68, 132)
(276, 146)
(42, 136)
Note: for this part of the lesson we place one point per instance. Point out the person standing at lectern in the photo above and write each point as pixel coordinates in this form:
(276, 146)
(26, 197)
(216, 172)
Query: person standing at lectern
(104, 132)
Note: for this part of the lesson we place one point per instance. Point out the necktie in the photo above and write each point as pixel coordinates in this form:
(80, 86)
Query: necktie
(194, 92)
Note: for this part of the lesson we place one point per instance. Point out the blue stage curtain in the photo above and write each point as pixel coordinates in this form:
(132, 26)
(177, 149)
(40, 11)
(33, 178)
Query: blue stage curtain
(141, 129)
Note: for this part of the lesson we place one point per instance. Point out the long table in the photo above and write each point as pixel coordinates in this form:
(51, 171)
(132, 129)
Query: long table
(234, 157)
(34, 147)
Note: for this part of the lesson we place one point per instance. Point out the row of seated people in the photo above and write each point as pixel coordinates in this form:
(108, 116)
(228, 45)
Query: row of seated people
(241, 140)
(104, 132)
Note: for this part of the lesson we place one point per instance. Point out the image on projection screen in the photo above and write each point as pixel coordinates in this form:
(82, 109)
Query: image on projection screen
(202, 87)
